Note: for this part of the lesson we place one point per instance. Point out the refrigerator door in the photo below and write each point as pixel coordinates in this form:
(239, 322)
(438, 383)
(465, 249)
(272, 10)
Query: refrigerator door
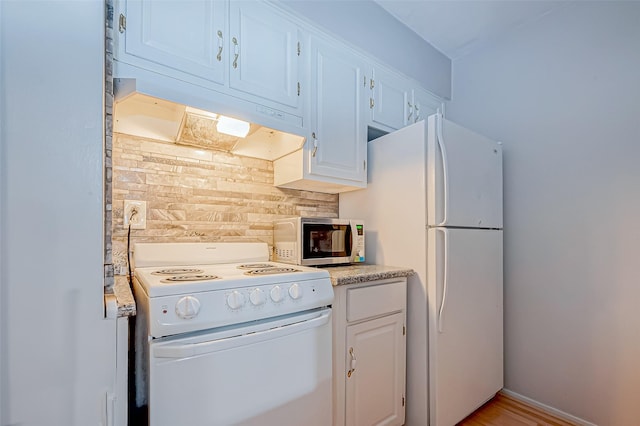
(464, 284)
(464, 179)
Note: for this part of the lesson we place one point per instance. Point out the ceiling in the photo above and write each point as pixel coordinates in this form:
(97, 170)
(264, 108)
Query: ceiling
(456, 27)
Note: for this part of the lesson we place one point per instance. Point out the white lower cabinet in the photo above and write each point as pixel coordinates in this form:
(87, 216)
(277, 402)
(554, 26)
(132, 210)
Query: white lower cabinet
(369, 353)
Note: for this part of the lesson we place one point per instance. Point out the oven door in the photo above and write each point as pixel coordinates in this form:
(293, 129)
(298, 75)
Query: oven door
(275, 372)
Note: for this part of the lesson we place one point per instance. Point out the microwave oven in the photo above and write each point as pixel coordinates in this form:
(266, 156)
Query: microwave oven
(314, 241)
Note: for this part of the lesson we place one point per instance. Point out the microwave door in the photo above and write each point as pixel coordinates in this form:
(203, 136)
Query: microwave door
(338, 241)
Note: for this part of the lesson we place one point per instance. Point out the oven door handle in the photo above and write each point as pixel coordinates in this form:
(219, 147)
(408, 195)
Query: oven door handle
(247, 337)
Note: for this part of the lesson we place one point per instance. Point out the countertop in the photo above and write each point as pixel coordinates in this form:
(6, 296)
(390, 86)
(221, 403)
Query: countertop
(354, 274)
(124, 296)
(340, 275)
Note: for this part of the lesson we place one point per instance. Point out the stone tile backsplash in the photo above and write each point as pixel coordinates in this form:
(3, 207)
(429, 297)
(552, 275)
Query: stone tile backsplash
(200, 195)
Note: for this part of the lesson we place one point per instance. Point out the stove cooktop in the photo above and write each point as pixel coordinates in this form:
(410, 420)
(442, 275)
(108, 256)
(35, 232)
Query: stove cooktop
(163, 281)
(185, 287)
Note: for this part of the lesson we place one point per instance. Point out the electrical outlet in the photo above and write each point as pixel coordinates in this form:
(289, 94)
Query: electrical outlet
(136, 211)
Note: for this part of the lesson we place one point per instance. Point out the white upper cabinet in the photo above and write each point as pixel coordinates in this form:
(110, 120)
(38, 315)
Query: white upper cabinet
(334, 156)
(245, 49)
(389, 99)
(257, 61)
(396, 101)
(178, 38)
(338, 138)
(264, 53)
(423, 104)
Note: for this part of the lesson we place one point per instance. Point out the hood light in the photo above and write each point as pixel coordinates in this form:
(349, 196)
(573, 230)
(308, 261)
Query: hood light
(226, 125)
(232, 126)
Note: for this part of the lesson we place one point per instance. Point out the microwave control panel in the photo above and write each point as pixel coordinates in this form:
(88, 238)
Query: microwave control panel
(357, 254)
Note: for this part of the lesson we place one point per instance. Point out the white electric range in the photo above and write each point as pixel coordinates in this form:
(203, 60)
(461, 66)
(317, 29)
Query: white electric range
(224, 336)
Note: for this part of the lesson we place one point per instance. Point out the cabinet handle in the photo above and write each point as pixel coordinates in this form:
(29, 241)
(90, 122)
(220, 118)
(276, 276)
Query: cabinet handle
(315, 144)
(352, 367)
(410, 111)
(371, 103)
(417, 107)
(236, 52)
(220, 40)
(372, 84)
(122, 23)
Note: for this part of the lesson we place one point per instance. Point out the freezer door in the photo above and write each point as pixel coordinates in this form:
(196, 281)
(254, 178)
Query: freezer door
(464, 284)
(464, 179)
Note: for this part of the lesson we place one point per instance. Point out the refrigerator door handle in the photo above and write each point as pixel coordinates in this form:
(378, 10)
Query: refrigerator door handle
(444, 281)
(445, 172)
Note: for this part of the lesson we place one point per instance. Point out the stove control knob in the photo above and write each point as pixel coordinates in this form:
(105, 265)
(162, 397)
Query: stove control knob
(295, 291)
(235, 299)
(276, 294)
(257, 297)
(187, 307)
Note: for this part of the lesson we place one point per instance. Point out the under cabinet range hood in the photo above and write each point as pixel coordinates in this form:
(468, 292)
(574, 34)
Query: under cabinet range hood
(147, 116)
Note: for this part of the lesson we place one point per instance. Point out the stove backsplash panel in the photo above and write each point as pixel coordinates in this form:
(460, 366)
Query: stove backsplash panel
(200, 195)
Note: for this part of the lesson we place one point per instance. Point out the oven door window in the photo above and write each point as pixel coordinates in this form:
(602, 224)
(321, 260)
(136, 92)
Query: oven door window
(326, 241)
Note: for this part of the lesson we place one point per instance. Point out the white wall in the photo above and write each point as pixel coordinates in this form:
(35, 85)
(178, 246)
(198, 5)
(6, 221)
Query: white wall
(57, 350)
(564, 95)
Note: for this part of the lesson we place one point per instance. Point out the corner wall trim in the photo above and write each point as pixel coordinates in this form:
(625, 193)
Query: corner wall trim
(547, 408)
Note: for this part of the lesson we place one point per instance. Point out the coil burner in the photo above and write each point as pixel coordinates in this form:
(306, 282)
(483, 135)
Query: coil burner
(187, 278)
(177, 271)
(255, 266)
(271, 271)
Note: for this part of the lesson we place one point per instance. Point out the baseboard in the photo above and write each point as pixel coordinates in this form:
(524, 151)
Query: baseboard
(547, 408)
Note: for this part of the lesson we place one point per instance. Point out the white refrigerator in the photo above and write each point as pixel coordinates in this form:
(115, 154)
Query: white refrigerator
(434, 203)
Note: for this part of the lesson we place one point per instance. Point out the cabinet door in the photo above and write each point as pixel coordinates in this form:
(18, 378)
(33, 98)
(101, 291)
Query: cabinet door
(263, 53)
(389, 101)
(424, 104)
(338, 145)
(375, 355)
(186, 37)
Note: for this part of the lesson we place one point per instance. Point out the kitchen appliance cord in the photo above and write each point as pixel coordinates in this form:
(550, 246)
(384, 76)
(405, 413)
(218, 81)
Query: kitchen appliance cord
(133, 213)
(129, 254)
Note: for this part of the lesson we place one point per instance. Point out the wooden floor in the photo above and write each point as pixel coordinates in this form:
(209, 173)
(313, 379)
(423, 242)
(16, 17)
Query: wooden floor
(505, 411)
